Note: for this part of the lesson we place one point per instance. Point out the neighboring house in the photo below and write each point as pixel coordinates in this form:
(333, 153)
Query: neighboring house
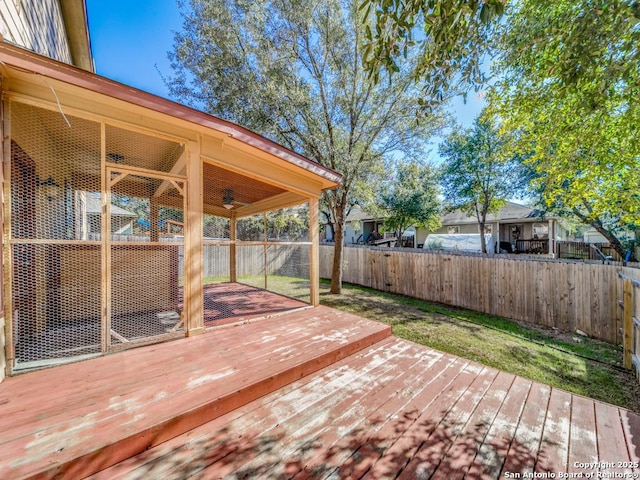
(514, 228)
(121, 219)
(55, 28)
(362, 228)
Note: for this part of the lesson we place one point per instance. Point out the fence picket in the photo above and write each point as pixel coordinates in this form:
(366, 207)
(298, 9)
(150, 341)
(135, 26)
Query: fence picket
(565, 294)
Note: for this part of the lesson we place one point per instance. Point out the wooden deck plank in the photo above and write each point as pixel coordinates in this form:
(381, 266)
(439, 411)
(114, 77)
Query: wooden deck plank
(262, 444)
(391, 410)
(493, 452)
(340, 409)
(345, 440)
(376, 443)
(395, 457)
(101, 426)
(524, 448)
(612, 445)
(260, 417)
(220, 362)
(554, 447)
(433, 449)
(631, 426)
(583, 447)
(465, 447)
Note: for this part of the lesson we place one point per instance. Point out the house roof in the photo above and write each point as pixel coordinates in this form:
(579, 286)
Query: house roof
(358, 215)
(510, 212)
(94, 207)
(24, 60)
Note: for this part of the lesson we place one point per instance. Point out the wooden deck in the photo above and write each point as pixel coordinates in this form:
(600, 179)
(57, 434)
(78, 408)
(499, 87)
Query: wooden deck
(236, 403)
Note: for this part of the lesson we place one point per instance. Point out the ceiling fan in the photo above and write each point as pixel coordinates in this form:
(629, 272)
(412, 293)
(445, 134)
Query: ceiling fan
(228, 201)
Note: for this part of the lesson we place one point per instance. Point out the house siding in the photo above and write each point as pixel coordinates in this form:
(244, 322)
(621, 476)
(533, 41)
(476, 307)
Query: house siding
(36, 25)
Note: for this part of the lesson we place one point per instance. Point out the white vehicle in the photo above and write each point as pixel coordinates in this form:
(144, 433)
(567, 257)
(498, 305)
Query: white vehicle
(459, 242)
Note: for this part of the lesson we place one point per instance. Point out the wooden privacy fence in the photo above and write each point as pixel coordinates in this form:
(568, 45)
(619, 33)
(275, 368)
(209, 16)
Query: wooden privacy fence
(566, 295)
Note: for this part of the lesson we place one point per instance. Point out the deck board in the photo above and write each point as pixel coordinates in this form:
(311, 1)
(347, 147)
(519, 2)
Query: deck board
(379, 415)
(80, 418)
(392, 409)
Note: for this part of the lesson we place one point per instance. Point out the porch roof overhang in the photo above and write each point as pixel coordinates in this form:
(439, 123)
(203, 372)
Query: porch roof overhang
(271, 175)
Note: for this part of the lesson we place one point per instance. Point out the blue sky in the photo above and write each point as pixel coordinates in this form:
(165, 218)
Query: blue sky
(130, 40)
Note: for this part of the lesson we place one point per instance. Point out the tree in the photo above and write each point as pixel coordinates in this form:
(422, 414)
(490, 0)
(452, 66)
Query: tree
(452, 37)
(411, 199)
(293, 71)
(478, 175)
(568, 89)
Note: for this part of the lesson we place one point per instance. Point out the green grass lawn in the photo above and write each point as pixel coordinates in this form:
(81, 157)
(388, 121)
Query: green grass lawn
(586, 367)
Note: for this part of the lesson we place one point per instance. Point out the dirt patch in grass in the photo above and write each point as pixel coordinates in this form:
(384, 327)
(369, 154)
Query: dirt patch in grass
(581, 365)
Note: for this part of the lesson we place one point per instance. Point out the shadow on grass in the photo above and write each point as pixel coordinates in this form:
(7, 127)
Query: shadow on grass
(499, 343)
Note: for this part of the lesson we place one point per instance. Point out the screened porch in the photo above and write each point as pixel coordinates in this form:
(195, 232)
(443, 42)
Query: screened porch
(126, 226)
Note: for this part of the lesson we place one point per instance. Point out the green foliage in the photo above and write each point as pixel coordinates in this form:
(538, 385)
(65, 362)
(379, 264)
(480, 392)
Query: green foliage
(293, 71)
(568, 91)
(284, 224)
(479, 174)
(451, 36)
(411, 198)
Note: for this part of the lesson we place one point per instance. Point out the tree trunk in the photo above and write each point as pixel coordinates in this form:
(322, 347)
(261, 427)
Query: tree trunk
(611, 238)
(483, 241)
(338, 249)
(613, 241)
(330, 225)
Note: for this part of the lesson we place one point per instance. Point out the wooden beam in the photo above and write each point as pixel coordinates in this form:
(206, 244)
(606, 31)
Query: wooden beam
(233, 266)
(106, 242)
(283, 200)
(627, 299)
(177, 168)
(314, 251)
(7, 258)
(144, 172)
(154, 216)
(194, 295)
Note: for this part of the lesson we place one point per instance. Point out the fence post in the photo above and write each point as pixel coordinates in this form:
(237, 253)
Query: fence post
(628, 322)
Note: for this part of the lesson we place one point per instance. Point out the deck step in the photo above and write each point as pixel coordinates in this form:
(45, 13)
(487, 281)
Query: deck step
(75, 420)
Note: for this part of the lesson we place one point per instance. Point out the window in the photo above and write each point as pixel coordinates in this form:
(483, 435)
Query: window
(488, 228)
(540, 230)
(453, 229)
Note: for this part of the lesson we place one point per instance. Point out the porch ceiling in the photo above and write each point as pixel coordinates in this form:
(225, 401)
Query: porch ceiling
(47, 133)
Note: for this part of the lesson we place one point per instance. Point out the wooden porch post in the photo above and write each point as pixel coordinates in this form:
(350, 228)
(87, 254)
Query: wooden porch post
(194, 216)
(627, 323)
(233, 224)
(551, 238)
(314, 260)
(154, 215)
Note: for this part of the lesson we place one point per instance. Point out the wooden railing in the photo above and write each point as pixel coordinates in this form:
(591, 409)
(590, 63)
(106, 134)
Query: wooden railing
(585, 251)
(533, 246)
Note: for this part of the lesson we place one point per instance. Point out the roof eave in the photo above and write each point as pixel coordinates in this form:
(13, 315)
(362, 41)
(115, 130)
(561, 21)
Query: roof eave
(23, 59)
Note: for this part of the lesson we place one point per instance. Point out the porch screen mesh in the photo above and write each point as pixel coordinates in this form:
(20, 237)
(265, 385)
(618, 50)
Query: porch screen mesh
(55, 231)
(60, 280)
(257, 264)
